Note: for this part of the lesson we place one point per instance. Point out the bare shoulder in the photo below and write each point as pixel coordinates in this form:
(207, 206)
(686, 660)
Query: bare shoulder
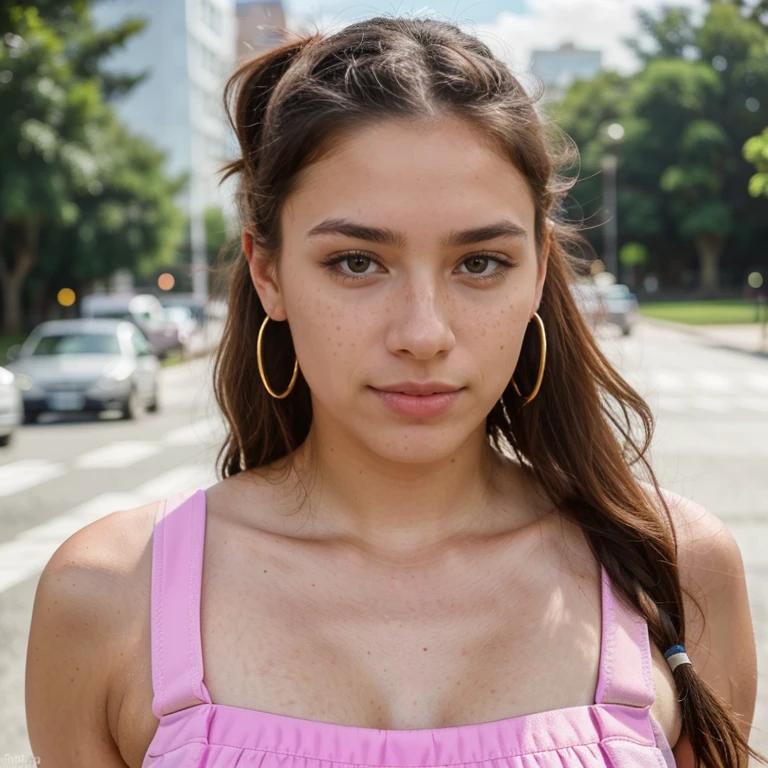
(709, 557)
(719, 632)
(88, 597)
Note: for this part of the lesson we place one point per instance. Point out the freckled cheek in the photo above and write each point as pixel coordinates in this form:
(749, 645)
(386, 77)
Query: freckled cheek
(495, 339)
(330, 343)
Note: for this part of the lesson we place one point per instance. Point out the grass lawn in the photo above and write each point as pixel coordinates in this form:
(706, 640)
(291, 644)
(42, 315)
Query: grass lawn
(173, 358)
(703, 312)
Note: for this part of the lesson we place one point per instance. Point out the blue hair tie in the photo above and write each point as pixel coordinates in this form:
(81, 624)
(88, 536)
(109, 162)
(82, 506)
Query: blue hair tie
(676, 656)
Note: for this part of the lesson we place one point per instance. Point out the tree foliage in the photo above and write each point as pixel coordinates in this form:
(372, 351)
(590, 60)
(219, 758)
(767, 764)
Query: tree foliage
(79, 195)
(756, 152)
(701, 92)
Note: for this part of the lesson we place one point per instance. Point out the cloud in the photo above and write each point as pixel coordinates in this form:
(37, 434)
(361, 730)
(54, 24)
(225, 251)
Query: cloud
(592, 24)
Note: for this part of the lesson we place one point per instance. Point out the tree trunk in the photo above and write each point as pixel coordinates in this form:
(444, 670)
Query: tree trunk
(709, 248)
(13, 276)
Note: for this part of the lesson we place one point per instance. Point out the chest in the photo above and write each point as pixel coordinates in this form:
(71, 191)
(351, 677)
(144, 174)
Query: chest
(413, 648)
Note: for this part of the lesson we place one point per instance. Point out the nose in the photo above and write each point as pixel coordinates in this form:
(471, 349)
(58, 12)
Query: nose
(420, 323)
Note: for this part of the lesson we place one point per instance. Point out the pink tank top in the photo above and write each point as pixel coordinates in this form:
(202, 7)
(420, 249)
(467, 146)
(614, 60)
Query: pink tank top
(618, 730)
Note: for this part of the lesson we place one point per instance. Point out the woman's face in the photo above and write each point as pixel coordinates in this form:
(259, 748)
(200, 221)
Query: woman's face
(408, 256)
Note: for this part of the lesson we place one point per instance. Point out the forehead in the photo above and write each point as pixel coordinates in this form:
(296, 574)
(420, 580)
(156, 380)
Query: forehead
(441, 170)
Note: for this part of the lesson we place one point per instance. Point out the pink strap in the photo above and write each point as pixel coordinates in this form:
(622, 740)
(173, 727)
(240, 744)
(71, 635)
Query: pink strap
(177, 564)
(625, 675)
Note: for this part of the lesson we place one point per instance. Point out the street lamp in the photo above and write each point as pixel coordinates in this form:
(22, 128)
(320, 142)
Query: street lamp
(613, 134)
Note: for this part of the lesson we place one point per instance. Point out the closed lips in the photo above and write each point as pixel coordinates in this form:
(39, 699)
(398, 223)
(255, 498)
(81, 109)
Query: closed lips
(420, 390)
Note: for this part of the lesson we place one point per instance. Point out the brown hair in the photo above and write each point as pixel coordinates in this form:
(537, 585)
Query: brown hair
(285, 106)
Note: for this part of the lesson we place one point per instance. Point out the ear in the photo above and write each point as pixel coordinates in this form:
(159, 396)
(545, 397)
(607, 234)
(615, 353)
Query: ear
(264, 277)
(543, 263)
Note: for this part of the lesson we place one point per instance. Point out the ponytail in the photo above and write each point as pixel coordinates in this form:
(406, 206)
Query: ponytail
(248, 409)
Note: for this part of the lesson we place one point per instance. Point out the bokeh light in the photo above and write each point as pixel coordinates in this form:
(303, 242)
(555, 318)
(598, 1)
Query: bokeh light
(166, 281)
(755, 280)
(66, 297)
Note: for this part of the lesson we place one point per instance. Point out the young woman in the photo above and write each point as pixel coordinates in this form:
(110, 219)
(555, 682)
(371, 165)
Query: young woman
(432, 544)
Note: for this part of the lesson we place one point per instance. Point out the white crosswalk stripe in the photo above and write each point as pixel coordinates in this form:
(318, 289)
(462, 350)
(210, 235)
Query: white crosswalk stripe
(27, 473)
(701, 390)
(117, 455)
(714, 382)
(714, 404)
(201, 432)
(666, 403)
(177, 480)
(666, 381)
(28, 553)
(754, 403)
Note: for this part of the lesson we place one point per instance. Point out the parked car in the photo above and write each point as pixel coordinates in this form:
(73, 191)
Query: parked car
(623, 310)
(11, 406)
(86, 365)
(144, 310)
(197, 305)
(185, 322)
(590, 303)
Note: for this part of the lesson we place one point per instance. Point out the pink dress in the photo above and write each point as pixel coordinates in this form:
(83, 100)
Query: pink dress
(618, 730)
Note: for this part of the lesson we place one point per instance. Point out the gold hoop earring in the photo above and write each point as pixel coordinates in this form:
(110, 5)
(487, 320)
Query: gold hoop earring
(542, 362)
(261, 367)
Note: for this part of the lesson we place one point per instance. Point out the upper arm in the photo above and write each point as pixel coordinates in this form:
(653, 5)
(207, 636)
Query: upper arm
(720, 639)
(72, 651)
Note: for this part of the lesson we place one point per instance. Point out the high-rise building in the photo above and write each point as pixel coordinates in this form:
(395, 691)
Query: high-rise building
(560, 67)
(260, 26)
(188, 51)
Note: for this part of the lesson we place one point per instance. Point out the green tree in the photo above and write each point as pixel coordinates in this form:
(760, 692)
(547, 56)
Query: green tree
(632, 256)
(701, 92)
(668, 35)
(127, 220)
(69, 174)
(216, 235)
(45, 154)
(756, 152)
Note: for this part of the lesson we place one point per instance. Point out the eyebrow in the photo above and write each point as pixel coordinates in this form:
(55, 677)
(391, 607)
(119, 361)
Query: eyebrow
(384, 236)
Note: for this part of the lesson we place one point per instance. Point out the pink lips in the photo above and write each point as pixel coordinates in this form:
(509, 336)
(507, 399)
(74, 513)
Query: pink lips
(418, 406)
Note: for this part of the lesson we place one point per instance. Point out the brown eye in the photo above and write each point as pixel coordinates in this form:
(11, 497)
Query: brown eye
(358, 264)
(478, 263)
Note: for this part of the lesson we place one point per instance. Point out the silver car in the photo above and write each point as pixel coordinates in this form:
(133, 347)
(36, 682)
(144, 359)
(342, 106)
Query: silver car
(86, 365)
(144, 310)
(623, 309)
(590, 302)
(11, 406)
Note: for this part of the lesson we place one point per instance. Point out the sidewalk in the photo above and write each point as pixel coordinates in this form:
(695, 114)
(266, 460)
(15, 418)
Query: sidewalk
(747, 337)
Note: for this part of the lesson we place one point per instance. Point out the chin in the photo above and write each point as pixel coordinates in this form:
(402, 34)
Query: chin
(415, 444)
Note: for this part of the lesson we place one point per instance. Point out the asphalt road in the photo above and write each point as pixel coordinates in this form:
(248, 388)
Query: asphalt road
(711, 445)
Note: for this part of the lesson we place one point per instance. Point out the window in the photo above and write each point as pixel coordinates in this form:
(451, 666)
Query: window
(77, 344)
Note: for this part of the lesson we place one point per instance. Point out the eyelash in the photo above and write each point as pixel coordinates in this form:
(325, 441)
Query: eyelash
(331, 265)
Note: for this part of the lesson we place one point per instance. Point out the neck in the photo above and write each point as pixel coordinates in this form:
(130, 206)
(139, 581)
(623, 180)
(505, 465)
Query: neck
(401, 512)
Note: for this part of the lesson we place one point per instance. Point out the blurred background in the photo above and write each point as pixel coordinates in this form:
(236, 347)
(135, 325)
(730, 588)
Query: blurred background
(112, 219)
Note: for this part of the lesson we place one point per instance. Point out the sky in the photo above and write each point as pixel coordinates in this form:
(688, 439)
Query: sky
(512, 28)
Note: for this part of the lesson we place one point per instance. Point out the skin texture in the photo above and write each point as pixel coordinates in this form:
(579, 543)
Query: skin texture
(435, 559)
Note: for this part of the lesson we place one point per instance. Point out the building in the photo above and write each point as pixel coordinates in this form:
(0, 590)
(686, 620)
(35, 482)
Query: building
(560, 67)
(260, 26)
(188, 51)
